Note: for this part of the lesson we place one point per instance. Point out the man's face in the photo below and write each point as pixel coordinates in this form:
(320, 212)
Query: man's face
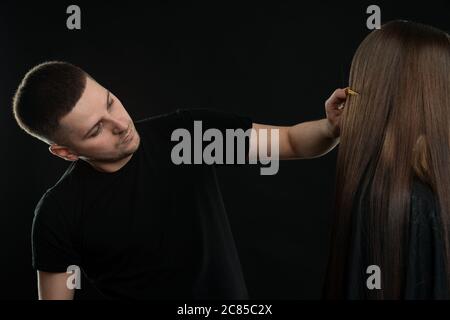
(98, 128)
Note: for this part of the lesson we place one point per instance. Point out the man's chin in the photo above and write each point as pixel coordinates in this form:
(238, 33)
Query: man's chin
(110, 159)
(125, 153)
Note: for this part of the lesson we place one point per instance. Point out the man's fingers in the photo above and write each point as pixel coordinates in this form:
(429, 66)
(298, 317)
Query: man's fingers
(337, 98)
(340, 94)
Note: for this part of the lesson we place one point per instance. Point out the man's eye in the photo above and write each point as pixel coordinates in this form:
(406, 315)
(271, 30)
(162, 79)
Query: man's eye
(99, 129)
(110, 103)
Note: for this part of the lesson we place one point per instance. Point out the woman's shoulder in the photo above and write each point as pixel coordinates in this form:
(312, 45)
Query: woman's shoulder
(424, 203)
(426, 275)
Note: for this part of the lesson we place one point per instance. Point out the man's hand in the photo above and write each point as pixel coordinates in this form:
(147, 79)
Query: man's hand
(307, 139)
(334, 107)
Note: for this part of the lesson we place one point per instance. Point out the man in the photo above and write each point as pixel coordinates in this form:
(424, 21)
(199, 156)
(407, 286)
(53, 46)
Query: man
(138, 225)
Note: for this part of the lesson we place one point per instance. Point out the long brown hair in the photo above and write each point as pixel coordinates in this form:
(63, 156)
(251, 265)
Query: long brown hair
(395, 129)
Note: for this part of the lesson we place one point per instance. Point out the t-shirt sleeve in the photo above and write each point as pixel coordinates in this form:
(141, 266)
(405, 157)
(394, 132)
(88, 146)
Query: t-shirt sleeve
(52, 245)
(426, 276)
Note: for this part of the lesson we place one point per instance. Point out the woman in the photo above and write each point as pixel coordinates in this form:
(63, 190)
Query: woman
(392, 202)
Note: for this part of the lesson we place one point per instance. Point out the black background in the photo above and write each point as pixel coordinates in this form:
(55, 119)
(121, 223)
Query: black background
(276, 62)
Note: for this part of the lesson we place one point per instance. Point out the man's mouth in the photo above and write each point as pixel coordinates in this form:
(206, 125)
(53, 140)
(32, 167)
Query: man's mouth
(128, 136)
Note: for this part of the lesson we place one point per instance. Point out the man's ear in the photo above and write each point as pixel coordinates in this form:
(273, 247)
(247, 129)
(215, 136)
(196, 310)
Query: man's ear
(62, 152)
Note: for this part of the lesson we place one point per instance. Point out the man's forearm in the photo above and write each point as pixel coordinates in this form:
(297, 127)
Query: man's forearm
(312, 139)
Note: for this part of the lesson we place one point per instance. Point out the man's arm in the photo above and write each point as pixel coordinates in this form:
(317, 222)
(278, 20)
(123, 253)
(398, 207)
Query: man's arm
(308, 139)
(53, 286)
(301, 141)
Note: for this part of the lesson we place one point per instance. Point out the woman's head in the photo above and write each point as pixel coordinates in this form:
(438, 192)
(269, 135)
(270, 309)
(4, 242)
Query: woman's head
(402, 72)
(396, 128)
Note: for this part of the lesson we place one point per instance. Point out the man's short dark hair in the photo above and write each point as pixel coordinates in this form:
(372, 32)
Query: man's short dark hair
(48, 92)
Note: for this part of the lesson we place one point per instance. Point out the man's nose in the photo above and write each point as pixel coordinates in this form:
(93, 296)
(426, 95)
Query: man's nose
(119, 125)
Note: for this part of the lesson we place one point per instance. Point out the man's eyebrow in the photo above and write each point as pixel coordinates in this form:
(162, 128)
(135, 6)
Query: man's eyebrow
(89, 131)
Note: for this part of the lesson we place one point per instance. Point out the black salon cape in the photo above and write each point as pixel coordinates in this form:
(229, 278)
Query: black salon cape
(153, 229)
(425, 265)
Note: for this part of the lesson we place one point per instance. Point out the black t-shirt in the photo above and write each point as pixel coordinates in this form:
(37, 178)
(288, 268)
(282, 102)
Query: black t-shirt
(152, 229)
(425, 263)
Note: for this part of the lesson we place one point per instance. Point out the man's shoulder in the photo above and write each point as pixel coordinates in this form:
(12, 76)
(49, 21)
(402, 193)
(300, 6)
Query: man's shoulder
(68, 179)
(58, 193)
(178, 117)
(185, 117)
(424, 204)
(159, 126)
(161, 120)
